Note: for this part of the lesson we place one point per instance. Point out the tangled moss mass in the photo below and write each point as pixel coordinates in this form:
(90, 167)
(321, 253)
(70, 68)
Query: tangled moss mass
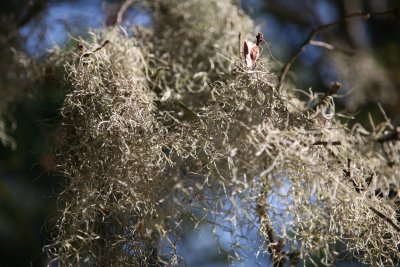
(169, 120)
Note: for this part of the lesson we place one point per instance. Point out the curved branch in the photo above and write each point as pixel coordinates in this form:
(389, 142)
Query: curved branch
(124, 7)
(317, 30)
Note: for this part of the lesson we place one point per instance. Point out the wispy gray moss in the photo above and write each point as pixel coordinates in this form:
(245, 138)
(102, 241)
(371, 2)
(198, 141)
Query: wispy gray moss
(171, 119)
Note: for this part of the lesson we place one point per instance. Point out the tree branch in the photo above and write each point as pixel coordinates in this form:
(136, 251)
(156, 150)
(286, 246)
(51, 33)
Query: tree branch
(275, 247)
(317, 30)
(385, 218)
(124, 7)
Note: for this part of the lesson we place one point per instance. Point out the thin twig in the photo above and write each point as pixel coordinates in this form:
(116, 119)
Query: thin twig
(347, 174)
(326, 143)
(322, 44)
(122, 11)
(393, 135)
(315, 31)
(385, 218)
(274, 247)
(86, 54)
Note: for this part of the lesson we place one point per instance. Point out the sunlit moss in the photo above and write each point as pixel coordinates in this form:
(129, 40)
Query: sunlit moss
(171, 119)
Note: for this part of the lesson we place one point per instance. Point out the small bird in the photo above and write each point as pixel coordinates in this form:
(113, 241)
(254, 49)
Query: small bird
(252, 51)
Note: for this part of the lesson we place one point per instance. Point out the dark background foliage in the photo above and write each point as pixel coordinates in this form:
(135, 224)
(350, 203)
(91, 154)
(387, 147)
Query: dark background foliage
(29, 105)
